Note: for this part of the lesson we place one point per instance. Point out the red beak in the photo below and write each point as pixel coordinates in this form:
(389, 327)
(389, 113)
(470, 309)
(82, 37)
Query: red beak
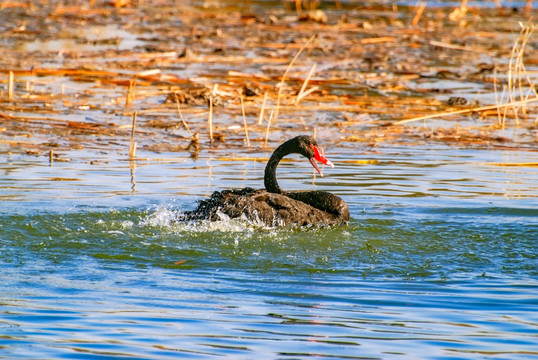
(319, 157)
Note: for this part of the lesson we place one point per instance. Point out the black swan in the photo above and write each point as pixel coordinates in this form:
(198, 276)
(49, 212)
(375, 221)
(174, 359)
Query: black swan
(273, 206)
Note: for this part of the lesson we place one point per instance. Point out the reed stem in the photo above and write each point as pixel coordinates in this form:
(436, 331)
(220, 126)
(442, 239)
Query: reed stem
(283, 80)
(210, 118)
(132, 145)
(11, 86)
(244, 119)
(464, 111)
(305, 83)
(260, 120)
(181, 115)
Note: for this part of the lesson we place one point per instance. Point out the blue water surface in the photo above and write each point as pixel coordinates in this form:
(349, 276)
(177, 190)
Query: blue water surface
(439, 260)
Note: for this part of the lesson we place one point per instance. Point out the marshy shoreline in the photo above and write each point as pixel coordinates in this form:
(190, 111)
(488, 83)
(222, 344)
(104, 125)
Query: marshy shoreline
(203, 75)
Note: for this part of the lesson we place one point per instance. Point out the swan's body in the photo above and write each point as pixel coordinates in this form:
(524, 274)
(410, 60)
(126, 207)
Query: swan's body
(272, 206)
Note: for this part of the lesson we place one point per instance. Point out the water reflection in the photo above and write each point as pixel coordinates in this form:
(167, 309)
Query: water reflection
(456, 175)
(132, 167)
(86, 38)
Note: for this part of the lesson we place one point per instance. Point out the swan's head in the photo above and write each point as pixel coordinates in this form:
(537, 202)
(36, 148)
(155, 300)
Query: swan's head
(309, 148)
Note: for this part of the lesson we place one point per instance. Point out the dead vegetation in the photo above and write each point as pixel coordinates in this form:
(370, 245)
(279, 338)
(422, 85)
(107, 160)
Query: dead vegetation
(198, 74)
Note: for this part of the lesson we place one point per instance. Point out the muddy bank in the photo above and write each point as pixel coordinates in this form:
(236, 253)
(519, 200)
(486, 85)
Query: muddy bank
(239, 74)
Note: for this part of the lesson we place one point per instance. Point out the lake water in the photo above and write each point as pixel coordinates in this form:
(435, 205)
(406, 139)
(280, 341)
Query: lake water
(439, 260)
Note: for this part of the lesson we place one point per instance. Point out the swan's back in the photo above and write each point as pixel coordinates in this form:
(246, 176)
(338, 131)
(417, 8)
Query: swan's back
(260, 206)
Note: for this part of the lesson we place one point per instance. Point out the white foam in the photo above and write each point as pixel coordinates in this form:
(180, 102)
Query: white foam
(163, 216)
(166, 218)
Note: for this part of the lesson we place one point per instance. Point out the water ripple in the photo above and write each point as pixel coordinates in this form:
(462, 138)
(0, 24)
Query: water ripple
(438, 261)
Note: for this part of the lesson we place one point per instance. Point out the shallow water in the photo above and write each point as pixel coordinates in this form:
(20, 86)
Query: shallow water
(439, 260)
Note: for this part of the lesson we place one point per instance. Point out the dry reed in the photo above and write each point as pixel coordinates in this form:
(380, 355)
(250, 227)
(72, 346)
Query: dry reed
(260, 120)
(463, 111)
(210, 117)
(516, 71)
(516, 98)
(283, 80)
(132, 145)
(244, 119)
(181, 114)
(129, 97)
(419, 10)
(305, 83)
(267, 128)
(11, 86)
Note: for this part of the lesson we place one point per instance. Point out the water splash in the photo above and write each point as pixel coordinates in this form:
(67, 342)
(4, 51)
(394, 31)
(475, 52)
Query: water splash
(167, 217)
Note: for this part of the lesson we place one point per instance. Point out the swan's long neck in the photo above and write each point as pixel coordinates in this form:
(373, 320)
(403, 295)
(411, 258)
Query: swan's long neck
(271, 185)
